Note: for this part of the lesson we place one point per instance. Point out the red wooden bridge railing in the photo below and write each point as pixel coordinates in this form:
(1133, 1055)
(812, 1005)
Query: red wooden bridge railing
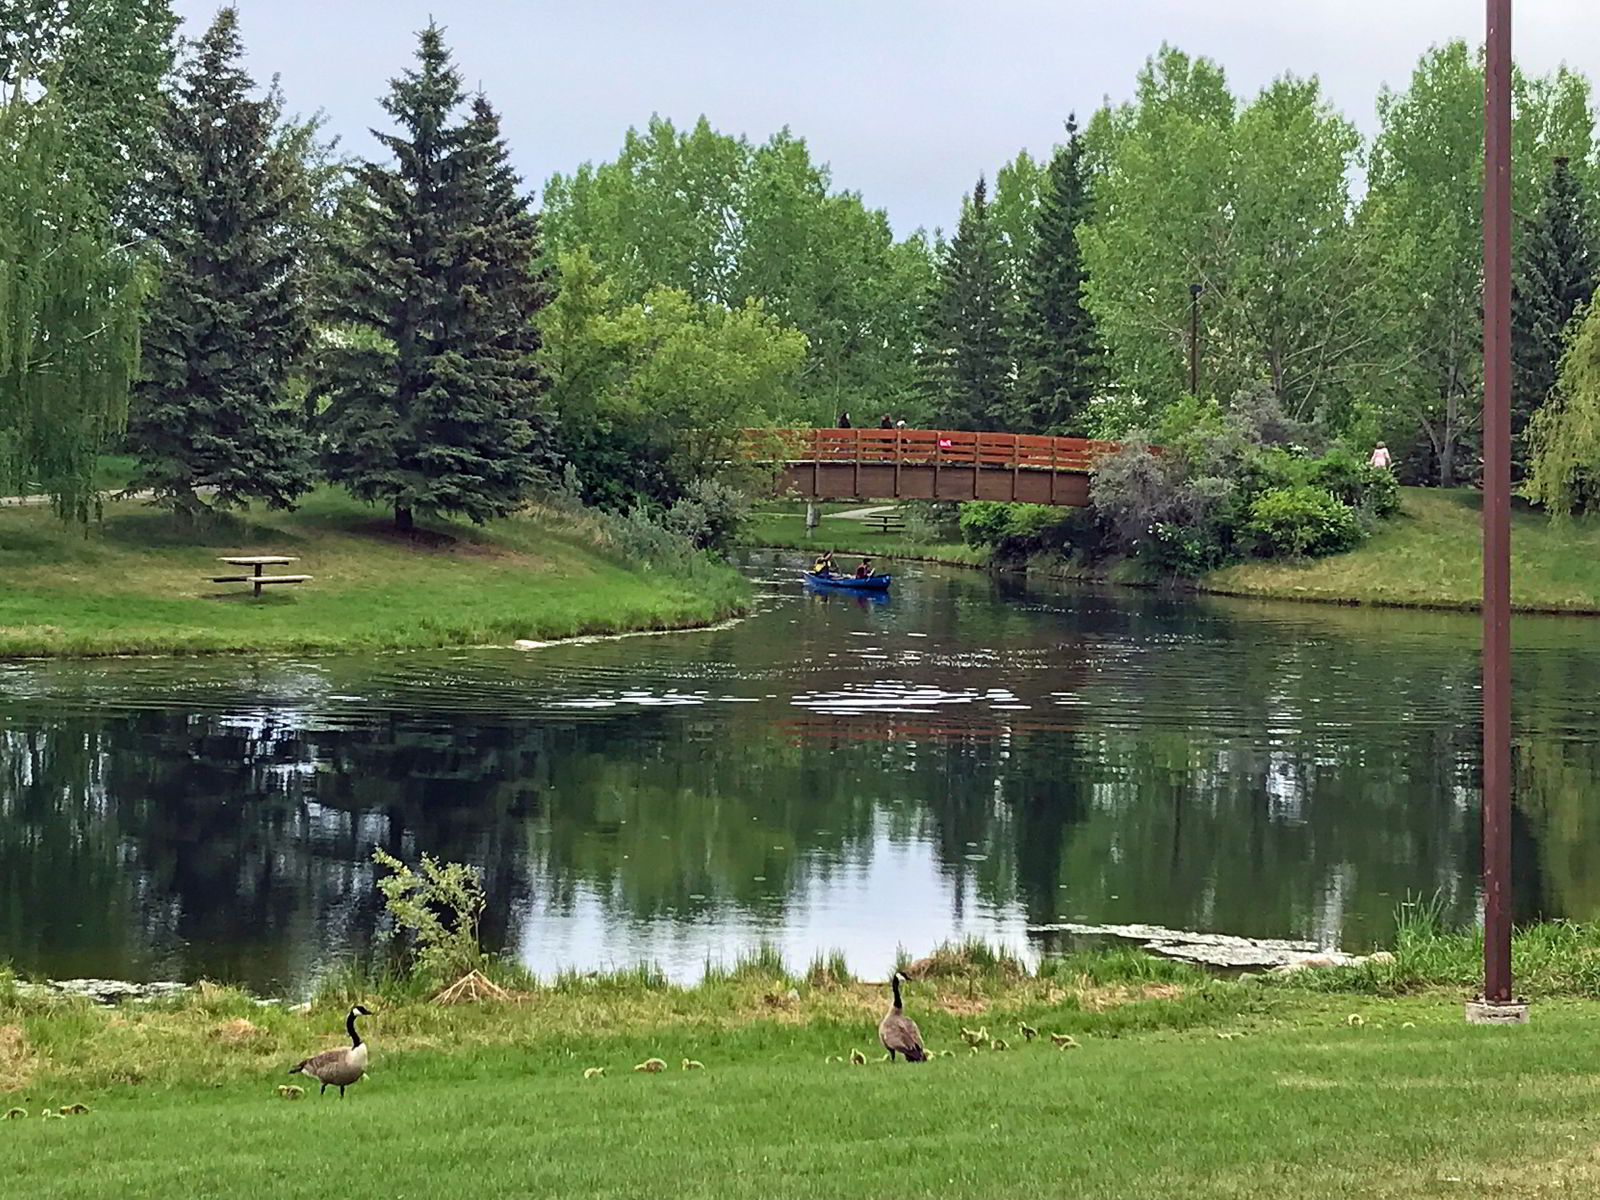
(924, 447)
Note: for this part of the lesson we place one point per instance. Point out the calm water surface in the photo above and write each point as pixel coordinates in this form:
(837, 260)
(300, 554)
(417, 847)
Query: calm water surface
(971, 756)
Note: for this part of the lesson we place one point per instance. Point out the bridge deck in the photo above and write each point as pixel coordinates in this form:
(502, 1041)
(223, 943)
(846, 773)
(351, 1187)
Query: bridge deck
(927, 464)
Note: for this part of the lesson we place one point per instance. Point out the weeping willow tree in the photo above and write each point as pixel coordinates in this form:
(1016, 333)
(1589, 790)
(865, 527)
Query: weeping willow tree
(1564, 435)
(69, 315)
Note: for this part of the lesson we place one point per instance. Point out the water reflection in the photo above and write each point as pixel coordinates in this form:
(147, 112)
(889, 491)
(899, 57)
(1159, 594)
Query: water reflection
(972, 755)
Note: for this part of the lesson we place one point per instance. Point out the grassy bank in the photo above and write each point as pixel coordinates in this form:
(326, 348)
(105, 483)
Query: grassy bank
(1367, 1085)
(787, 531)
(1430, 556)
(139, 584)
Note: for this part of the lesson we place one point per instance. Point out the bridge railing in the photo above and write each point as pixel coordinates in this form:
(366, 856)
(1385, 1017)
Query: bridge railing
(922, 447)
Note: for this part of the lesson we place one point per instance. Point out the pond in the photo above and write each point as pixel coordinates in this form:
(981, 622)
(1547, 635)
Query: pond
(973, 755)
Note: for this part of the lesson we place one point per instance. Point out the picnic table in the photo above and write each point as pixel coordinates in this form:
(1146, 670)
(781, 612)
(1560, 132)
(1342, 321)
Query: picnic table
(885, 522)
(258, 561)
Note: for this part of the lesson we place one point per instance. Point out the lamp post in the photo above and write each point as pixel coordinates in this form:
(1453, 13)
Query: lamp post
(1194, 338)
(1497, 1005)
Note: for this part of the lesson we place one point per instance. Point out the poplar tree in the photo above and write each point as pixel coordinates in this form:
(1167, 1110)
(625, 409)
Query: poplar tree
(1060, 362)
(228, 328)
(966, 360)
(1555, 279)
(435, 405)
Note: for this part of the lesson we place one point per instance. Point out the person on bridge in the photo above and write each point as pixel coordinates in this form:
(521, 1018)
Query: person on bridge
(844, 420)
(886, 423)
(864, 571)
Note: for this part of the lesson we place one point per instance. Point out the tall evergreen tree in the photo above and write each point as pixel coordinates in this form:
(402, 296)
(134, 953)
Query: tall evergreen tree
(1060, 361)
(1555, 278)
(228, 327)
(966, 358)
(435, 404)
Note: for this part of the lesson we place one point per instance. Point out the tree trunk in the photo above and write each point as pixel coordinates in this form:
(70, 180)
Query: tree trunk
(1447, 443)
(403, 518)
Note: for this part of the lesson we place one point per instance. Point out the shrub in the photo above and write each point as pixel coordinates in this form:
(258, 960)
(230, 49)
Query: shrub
(1355, 482)
(1301, 520)
(985, 522)
(710, 516)
(440, 907)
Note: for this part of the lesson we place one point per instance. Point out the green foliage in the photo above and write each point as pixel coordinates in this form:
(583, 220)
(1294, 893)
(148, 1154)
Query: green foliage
(1423, 215)
(435, 400)
(1564, 435)
(711, 515)
(1301, 520)
(70, 295)
(1250, 203)
(1060, 361)
(1014, 531)
(966, 360)
(228, 327)
(439, 907)
(1354, 482)
(726, 222)
(651, 394)
(1556, 278)
(104, 62)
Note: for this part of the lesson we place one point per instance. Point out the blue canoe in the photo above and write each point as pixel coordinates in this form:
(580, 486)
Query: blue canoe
(872, 583)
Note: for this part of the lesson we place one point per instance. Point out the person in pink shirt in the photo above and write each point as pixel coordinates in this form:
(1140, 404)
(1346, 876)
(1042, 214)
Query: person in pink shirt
(1380, 456)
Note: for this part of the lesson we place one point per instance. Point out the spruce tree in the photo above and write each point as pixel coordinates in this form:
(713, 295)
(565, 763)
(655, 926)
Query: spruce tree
(1060, 362)
(967, 366)
(227, 329)
(434, 401)
(1555, 278)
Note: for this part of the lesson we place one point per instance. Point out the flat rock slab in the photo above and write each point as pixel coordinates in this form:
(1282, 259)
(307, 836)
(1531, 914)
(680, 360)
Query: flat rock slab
(105, 991)
(1211, 949)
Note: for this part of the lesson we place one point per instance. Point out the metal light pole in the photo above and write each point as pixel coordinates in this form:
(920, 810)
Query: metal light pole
(1497, 1005)
(1194, 338)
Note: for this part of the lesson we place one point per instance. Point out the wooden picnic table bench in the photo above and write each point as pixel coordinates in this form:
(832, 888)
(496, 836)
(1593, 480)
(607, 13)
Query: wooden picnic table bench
(886, 522)
(258, 561)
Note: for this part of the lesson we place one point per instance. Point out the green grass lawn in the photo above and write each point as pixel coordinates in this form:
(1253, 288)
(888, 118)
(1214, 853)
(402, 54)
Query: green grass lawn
(787, 531)
(139, 584)
(1431, 556)
(1301, 1104)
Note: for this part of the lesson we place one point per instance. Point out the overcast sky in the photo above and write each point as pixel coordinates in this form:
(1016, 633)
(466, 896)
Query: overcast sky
(906, 100)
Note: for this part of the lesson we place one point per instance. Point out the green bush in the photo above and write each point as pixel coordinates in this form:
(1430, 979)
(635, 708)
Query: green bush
(711, 515)
(1355, 482)
(985, 523)
(1019, 530)
(1301, 520)
(439, 906)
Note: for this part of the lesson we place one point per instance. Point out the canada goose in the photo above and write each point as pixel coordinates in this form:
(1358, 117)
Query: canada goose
(1027, 1031)
(338, 1068)
(593, 1072)
(857, 1059)
(288, 1091)
(1064, 1041)
(690, 1064)
(898, 1032)
(652, 1065)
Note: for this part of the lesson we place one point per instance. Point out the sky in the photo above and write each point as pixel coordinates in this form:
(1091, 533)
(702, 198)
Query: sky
(906, 100)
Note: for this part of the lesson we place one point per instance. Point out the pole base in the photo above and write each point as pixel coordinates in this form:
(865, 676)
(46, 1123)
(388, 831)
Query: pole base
(1487, 1012)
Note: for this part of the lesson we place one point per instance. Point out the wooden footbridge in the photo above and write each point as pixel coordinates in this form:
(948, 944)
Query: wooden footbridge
(926, 464)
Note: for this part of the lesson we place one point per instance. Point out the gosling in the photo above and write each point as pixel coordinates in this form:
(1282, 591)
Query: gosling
(690, 1064)
(1064, 1041)
(652, 1066)
(1027, 1031)
(593, 1072)
(288, 1091)
(338, 1068)
(857, 1059)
